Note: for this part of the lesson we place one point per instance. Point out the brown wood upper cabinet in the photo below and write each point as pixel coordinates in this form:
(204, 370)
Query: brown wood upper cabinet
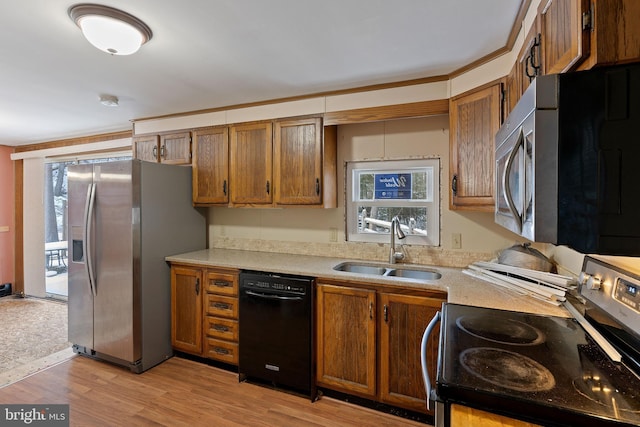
(211, 166)
(173, 148)
(288, 162)
(251, 162)
(302, 164)
(569, 35)
(564, 34)
(474, 119)
(615, 34)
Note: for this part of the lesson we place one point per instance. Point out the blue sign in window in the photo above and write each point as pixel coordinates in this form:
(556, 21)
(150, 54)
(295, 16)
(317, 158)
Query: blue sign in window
(393, 186)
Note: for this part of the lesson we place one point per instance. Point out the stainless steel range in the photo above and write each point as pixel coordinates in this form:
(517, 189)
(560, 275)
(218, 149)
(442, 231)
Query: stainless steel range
(547, 370)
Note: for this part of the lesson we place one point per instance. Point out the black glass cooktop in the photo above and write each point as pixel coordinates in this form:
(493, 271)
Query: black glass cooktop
(543, 369)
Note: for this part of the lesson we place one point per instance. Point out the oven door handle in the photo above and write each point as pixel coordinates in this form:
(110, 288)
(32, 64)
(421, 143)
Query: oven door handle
(423, 355)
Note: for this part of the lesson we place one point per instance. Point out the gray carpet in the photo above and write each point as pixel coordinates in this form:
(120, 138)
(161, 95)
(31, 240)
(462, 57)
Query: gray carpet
(30, 329)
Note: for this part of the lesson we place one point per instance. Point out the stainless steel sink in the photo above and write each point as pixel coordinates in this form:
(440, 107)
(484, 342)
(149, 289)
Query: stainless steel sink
(382, 270)
(415, 274)
(351, 267)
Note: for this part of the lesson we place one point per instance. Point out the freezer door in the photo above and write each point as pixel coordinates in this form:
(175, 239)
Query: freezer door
(116, 324)
(80, 300)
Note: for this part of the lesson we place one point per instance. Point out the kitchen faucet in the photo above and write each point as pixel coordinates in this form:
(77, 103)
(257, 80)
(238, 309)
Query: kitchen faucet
(395, 229)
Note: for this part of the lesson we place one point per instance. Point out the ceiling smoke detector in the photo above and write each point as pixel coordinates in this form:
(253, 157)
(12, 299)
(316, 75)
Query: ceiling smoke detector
(109, 100)
(110, 30)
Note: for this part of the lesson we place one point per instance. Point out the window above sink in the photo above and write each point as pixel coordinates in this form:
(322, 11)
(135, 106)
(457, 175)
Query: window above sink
(379, 190)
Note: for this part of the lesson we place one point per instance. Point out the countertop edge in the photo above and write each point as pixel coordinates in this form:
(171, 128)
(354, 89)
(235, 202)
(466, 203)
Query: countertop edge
(460, 288)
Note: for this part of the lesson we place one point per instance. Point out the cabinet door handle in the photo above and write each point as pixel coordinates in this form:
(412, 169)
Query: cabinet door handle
(370, 310)
(268, 187)
(536, 48)
(155, 152)
(386, 313)
(454, 185)
(163, 152)
(224, 187)
(527, 62)
(221, 284)
(197, 286)
(317, 186)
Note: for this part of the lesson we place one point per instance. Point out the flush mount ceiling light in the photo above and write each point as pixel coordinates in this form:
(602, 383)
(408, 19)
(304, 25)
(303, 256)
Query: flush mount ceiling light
(110, 30)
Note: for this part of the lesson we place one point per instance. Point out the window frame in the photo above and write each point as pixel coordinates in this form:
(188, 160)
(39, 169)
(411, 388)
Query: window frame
(431, 202)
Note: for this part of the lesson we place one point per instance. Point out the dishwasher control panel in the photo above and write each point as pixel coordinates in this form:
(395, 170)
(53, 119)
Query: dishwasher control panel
(277, 283)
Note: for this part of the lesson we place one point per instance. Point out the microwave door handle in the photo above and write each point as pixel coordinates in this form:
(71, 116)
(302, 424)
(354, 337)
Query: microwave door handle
(423, 355)
(505, 180)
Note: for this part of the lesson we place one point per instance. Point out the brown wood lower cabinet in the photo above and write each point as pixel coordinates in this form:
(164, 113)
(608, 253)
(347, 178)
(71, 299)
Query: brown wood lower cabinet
(368, 341)
(221, 316)
(465, 416)
(186, 309)
(204, 312)
(346, 336)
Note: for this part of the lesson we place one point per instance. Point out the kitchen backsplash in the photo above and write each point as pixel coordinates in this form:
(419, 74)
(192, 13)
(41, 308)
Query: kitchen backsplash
(364, 251)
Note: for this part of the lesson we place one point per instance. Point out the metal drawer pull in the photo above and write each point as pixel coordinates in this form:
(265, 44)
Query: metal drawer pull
(222, 284)
(222, 306)
(220, 328)
(220, 350)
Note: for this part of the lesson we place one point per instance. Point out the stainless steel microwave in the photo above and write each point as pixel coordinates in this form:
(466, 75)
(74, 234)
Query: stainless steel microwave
(568, 162)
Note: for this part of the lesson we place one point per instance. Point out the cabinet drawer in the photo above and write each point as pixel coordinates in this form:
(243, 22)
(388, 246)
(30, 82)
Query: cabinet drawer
(222, 283)
(223, 351)
(218, 305)
(218, 327)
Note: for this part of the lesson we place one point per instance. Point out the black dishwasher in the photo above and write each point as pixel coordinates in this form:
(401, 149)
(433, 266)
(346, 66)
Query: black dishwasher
(276, 324)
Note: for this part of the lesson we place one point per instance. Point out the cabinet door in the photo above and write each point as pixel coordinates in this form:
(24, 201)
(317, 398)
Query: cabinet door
(512, 89)
(346, 333)
(146, 148)
(175, 148)
(251, 164)
(615, 33)
(474, 121)
(403, 321)
(211, 166)
(186, 309)
(564, 40)
(298, 162)
(530, 59)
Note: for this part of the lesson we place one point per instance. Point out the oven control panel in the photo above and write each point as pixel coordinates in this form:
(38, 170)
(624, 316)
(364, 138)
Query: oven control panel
(627, 293)
(613, 289)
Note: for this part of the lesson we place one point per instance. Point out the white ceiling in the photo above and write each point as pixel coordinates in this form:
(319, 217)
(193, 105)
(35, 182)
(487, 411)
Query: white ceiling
(215, 53)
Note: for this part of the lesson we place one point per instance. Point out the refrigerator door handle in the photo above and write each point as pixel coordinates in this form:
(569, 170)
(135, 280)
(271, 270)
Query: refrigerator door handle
(86, 241)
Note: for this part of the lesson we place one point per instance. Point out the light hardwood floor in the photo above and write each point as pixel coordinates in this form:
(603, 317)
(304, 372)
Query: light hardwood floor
(179, 392)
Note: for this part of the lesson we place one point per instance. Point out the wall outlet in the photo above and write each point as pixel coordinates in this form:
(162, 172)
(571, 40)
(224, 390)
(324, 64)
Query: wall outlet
(456, 241)
(333, 234)
(4, 228)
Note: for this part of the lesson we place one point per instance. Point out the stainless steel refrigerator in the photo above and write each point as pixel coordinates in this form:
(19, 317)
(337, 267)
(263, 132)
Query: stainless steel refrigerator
(124, 218)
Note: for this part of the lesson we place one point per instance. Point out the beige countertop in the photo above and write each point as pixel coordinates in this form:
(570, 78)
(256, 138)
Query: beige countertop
(460, 288)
